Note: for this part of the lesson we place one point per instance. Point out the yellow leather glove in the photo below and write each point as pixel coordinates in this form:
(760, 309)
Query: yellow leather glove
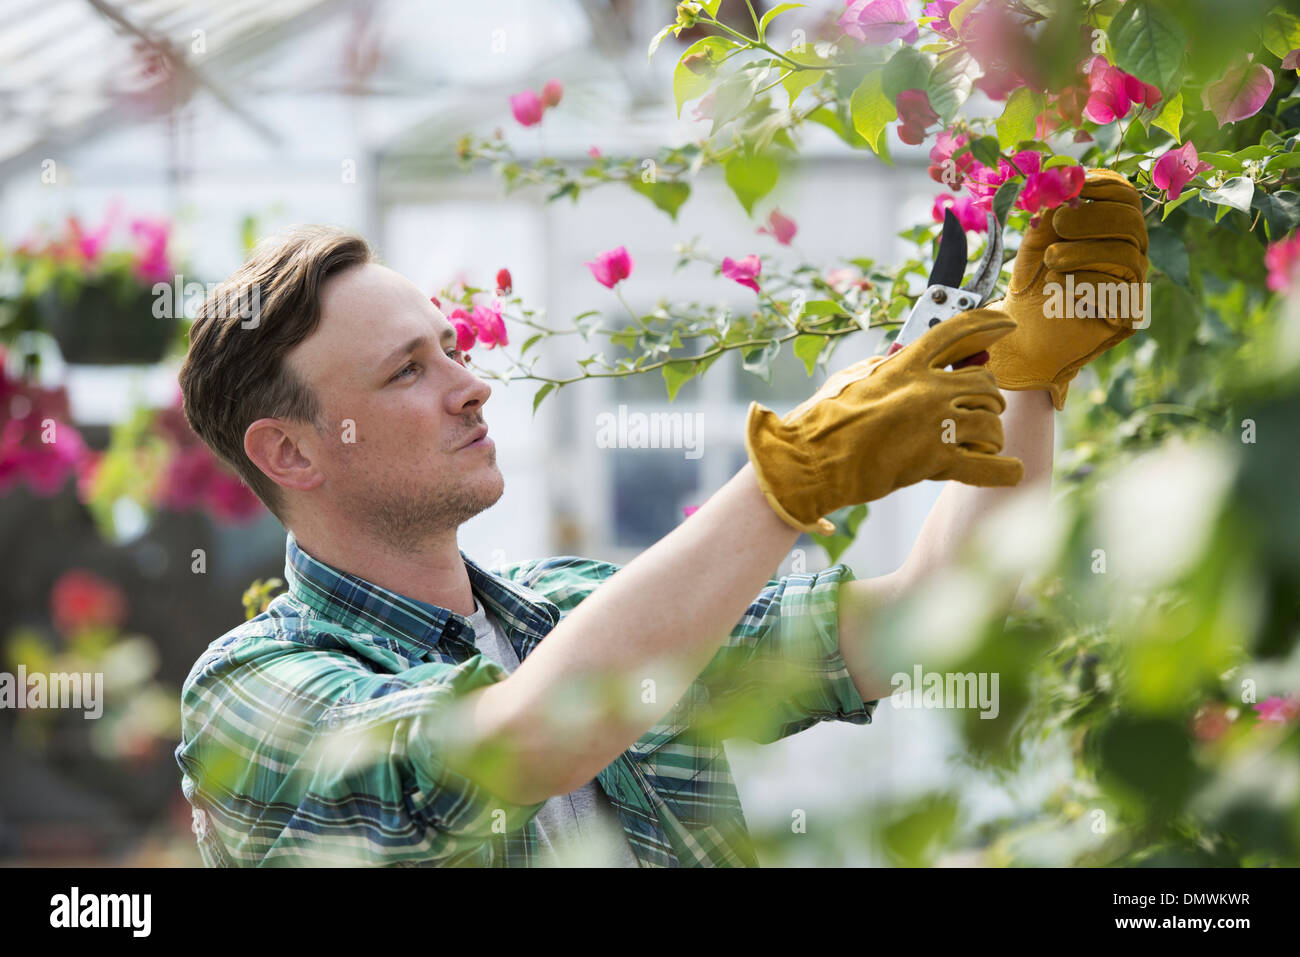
(1101, 242)
(884, 423)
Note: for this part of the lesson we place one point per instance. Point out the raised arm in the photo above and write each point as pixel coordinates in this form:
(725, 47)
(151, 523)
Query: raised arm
(871, 428)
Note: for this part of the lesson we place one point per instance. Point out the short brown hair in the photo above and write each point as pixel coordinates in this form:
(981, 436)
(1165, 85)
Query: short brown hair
(234, 372)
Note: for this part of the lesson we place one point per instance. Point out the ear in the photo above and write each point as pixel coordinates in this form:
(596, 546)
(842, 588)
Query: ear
(273, 446)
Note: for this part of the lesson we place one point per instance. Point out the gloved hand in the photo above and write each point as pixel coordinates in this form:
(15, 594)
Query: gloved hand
(1102, 241)
(881, 424)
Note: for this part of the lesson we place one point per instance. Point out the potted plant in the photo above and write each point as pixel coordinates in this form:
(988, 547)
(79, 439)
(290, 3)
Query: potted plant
(92, 294)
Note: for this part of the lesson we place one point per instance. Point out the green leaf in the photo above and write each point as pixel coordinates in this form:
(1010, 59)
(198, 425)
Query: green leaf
(908, 69)
(758, 360)
(1019, 118)
(1149, 43)
(687, 85)
(658, 39)
(808, 348)
(712, 7)
(1168, 253)
(1170, 206)
(822, 307)
(951, 82)
(776, 11)
(587, 321)
(1282, 161)
(751, 177)
(1061, 159)
(530, 341)
(1281, 211)
(1171, 116)
(541, 394)
(1236, 193)
(1005, 198)
(1281, 33)
(986, 150)
(799, 80)
(872, 111)
(668, 196)
(677, 374)
(734, 95)
(846, 521)
(1223, 161)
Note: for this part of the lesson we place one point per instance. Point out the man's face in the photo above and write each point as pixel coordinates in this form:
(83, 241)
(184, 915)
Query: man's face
(398, 409)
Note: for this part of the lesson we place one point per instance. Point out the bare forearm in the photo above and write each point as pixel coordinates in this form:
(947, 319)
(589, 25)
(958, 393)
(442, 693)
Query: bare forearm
(644, 635)
(1029, 428)
(1028, 425)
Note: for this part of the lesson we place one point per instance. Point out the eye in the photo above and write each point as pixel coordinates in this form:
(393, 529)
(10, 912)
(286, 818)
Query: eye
(458, 356)
(409, 367)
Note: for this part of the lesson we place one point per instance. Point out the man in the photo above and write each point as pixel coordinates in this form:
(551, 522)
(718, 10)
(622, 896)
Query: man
(398, 704)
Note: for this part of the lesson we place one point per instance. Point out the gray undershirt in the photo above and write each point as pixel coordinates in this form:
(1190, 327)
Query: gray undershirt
(580, 828)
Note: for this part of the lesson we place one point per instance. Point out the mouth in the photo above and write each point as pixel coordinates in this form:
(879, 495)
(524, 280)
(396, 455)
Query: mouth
(478, 439)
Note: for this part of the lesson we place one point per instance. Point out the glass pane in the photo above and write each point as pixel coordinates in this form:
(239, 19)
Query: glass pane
(650, 488)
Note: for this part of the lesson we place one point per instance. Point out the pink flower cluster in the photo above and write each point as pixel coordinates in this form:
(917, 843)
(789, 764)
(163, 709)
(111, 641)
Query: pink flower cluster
(196, 478)
(1042, 189)
(1176, 167)
(612, 267)
(37, 445)
(1112, 92)
(86, 248)
(528, 107)
(483, 324)
(1281, 259)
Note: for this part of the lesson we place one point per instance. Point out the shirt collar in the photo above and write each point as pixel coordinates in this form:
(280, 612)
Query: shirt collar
(362, 605)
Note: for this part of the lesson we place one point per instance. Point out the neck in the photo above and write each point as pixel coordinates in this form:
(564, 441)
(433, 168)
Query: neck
(432, 571)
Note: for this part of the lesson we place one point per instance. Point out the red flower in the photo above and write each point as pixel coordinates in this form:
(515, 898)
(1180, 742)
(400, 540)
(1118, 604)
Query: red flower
(464, 326)
(527, 108)
(504, 282)
(552, 92)
(81, 599)
(781, 228)
(612, 267)
(489, 325)
(916, 114)
(744, 271)
(1050, 188)
(964, 208)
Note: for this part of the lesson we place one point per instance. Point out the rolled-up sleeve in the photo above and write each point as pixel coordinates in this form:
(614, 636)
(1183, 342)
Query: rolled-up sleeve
(780, 671)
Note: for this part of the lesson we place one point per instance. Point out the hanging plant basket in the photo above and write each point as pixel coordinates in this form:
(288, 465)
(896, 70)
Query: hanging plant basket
(105, 322)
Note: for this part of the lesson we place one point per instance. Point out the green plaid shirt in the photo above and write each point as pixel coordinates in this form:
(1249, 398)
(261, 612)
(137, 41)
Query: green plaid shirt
(307, 732)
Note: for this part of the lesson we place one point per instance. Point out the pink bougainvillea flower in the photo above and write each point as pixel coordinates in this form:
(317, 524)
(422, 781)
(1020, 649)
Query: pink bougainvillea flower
(611, 268)
(527, 108)
(437, 302)
(504, 283)
(488, 324)
(1210, 722)
(983, 182)
(942, 9)
(1279, 709)
(1173, 170)
(1050, 188)
(781, 228)
(1281, 259)
(1242, 92)
(704, 108)
(37, 445)
(463, 323)
(744, 271)
(152, 264)
(878, 21)
(1112, 92)
(82, 599)
(552, 93)
(998, 82)
(943, 168)
(593, 152)
(916, 114)
(968, 214)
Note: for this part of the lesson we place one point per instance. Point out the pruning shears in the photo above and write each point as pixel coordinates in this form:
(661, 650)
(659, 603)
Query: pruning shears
(942, 298)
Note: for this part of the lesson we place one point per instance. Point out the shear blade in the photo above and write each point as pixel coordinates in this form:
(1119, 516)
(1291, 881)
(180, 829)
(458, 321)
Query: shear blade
(950, 261)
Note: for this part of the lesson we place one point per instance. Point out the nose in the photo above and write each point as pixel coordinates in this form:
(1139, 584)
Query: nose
(471, 392)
